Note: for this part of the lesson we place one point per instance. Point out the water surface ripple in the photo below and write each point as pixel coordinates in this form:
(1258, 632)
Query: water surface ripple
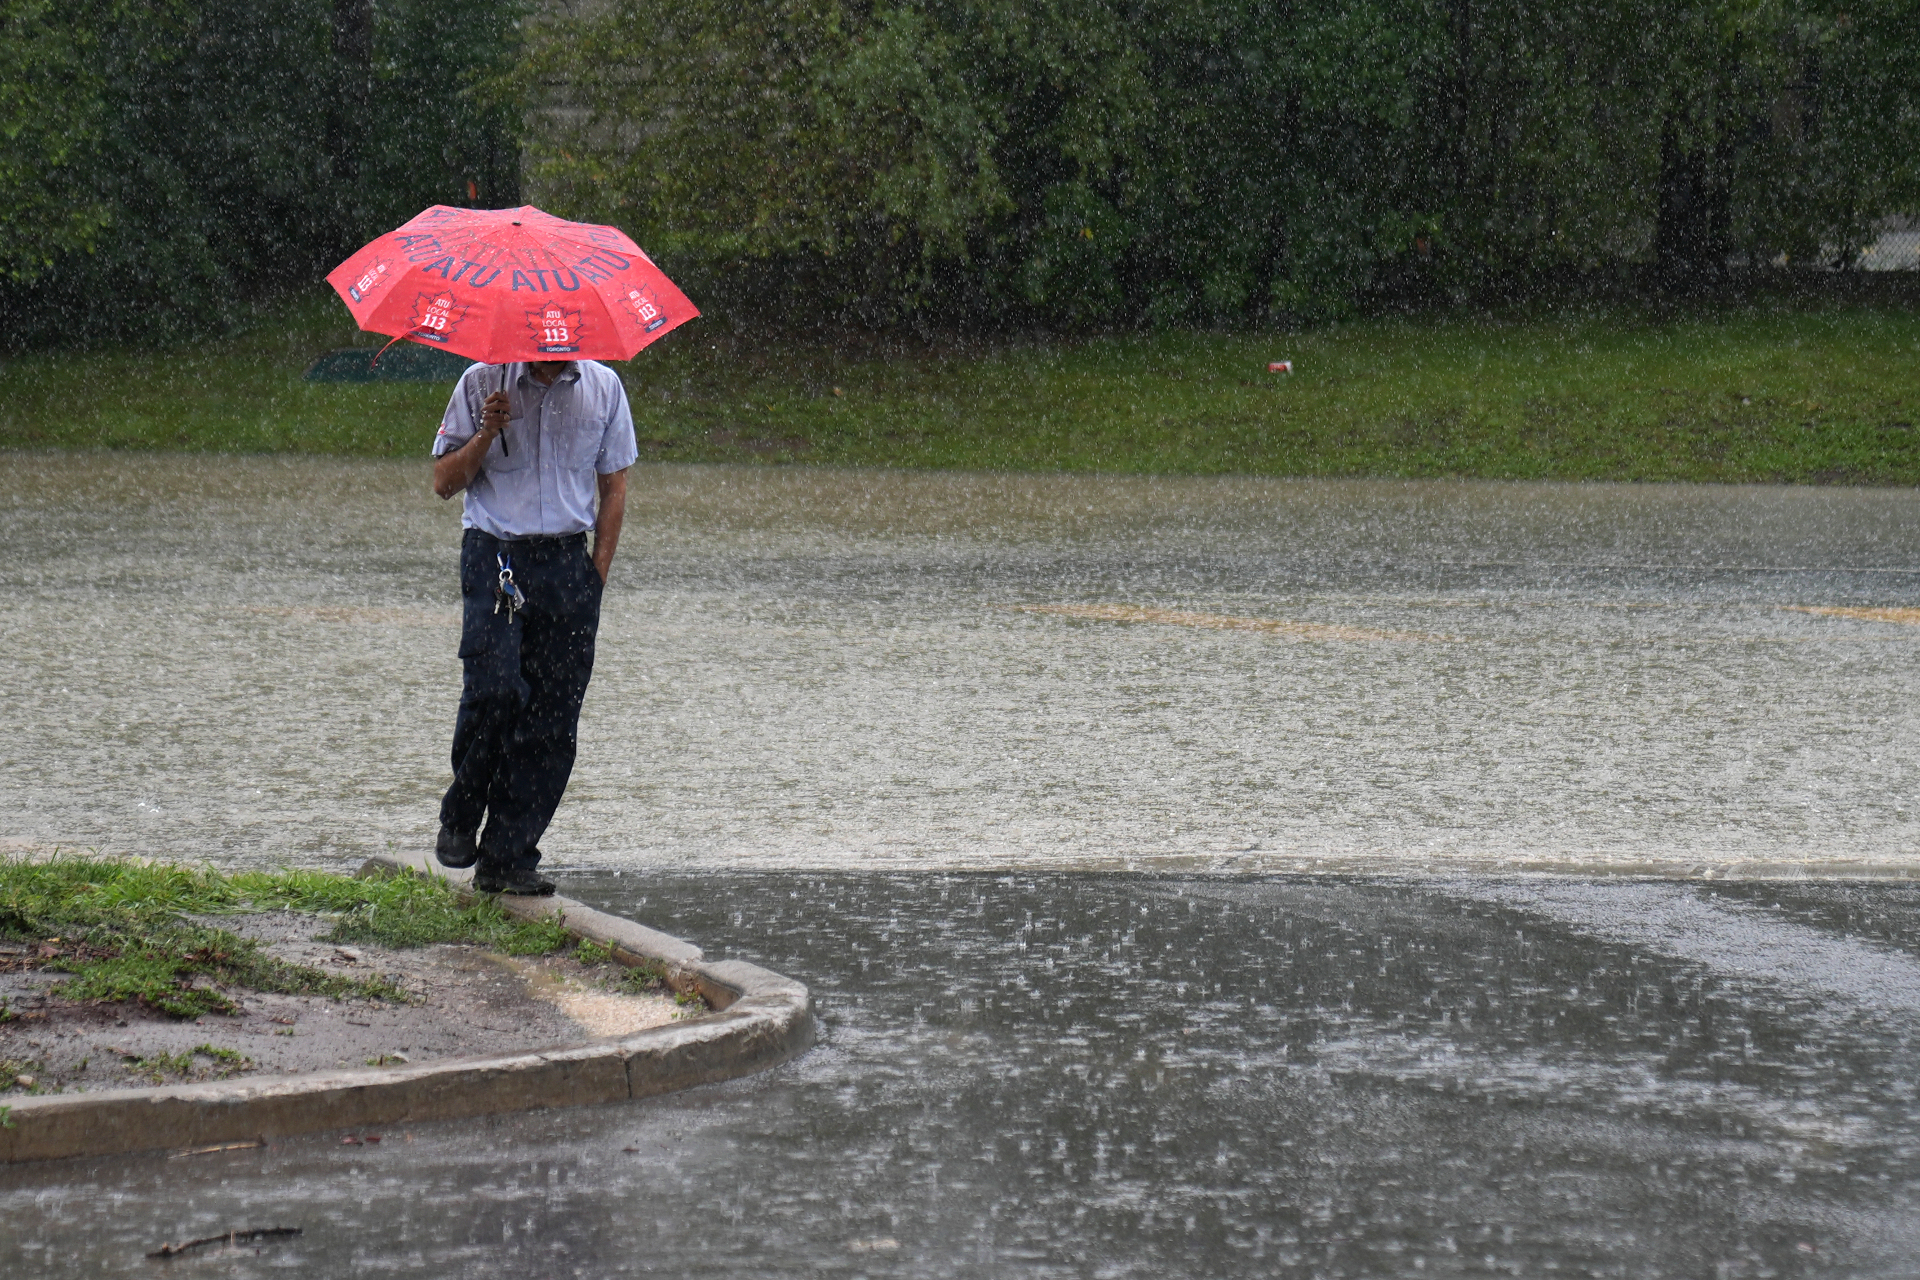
(253, 660)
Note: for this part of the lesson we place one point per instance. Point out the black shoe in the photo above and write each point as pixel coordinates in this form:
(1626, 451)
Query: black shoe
(527, 882)
(456, 848)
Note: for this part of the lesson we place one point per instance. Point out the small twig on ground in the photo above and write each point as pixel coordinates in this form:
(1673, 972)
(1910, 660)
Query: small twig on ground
(229, 1146)
(230, 1238)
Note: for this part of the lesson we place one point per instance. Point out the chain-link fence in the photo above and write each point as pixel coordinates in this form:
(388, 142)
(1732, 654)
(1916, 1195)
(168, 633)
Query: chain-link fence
(1897, 248)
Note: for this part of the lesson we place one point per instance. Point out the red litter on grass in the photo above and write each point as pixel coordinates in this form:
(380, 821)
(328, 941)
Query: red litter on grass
(1280, 366)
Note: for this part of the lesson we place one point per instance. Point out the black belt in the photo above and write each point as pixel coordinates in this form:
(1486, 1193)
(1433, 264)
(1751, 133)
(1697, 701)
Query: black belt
(538, 539)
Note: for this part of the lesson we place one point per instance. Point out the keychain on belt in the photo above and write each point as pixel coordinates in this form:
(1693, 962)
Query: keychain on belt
(506, 590)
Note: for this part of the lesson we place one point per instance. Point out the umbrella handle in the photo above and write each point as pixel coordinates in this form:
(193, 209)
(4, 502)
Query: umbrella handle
(504, 451)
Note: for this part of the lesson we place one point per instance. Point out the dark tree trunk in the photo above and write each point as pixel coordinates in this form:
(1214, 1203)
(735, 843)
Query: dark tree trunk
(1460, 98)
(1282, 189)
(1693, 231)
(499, 186)
(1277, 247)
(353, 60)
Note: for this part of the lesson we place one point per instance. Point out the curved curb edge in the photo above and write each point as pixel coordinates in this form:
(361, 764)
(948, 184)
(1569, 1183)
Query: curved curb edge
(761, 1019)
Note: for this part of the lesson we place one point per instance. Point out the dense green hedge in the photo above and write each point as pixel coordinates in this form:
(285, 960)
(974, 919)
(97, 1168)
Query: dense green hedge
(962, 162)
(164, 160)
(1070, 161)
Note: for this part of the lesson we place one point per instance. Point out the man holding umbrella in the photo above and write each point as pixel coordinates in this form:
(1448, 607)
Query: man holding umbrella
(540, 447)
(541, 462)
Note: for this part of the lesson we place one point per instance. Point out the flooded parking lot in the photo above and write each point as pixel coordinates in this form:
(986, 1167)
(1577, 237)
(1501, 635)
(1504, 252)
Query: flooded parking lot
(1164, 855)
(252, 660)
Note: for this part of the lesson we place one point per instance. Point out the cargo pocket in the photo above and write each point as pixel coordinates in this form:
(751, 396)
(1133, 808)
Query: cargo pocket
(479, 625)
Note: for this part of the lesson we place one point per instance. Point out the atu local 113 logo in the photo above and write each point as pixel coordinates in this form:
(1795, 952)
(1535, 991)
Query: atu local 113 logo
(640, 304)
(556, 330)
(436, 316)
(370, 279)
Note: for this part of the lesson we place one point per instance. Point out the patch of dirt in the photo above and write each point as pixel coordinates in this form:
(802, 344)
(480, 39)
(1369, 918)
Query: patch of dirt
(1220, 622)
(1905, 617)
(364, 617)
(472, 1002)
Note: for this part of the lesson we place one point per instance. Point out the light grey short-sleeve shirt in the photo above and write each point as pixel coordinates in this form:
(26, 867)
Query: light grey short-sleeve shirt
(539, 475)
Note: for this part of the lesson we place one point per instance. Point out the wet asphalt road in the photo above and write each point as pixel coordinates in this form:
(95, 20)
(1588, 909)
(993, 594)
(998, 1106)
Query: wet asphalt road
(1088, 1075)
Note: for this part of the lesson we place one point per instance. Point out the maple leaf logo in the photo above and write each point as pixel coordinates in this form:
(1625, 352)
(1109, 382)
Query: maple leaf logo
(556, 329)
(436, 316)
(370, 279)
(644, 308)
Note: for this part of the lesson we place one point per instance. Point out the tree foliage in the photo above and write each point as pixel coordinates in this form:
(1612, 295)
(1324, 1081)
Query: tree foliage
(165, 160)
(1070, 162)
(50, 115)
(1174, 161)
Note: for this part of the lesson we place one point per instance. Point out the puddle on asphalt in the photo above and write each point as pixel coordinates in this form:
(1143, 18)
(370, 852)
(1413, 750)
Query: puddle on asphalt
(1127, 1076)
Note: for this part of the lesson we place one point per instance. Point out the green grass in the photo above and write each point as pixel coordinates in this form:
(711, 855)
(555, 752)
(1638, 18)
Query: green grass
(157, 1068)
(649, 977)
(125, 932)
(1811, 389)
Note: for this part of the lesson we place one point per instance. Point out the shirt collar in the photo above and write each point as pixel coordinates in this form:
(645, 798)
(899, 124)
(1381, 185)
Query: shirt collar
(569, 374)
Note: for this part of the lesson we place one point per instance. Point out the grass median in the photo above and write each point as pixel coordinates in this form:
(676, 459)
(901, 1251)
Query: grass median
(115, 972)
(1805, 391)
(145, 932)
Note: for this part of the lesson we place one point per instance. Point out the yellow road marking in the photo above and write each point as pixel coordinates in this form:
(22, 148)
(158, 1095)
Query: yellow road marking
(1906, 617)
(350, 614)
(1218, 621)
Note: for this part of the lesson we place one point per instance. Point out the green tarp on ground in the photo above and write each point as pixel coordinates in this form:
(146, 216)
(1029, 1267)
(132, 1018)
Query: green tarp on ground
(403, 362)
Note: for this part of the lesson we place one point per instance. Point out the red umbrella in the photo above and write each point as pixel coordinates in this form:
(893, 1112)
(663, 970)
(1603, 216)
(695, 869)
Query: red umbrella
(497, 285)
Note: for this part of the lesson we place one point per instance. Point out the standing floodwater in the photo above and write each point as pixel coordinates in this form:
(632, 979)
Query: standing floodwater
(253, 660)
(1063, 1075)
(822, 697)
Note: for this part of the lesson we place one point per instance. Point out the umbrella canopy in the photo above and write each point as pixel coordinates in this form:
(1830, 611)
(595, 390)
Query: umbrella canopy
(497, 285)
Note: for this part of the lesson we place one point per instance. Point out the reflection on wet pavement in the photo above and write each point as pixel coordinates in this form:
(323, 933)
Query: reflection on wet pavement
(252, 660)
(1089, 1075)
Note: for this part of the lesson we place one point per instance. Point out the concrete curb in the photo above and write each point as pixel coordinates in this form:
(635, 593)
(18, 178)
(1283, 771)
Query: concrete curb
(760, 1019)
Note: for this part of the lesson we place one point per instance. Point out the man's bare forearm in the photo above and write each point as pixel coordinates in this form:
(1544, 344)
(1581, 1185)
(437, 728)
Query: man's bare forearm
(607, 521)
(454, 471)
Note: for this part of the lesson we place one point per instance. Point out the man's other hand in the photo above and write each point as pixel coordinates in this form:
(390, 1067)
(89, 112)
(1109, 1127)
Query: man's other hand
(606, 524)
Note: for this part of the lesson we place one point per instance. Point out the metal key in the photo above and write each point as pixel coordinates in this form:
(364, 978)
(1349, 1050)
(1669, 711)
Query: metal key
(507, 589)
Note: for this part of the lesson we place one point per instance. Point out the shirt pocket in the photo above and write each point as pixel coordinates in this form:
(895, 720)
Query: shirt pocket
(578, 445)
(512, 449)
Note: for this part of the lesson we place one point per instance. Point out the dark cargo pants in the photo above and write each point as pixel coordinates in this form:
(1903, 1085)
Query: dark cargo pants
(525, 676)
